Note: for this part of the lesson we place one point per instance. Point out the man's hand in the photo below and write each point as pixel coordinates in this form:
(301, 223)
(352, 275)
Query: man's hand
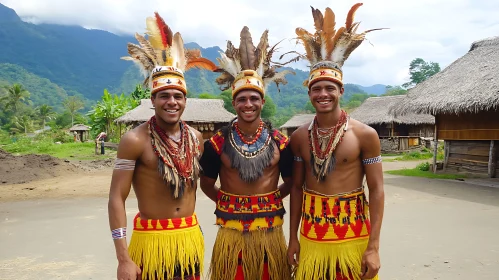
(370, 264)
(293, 251)
(128, 270)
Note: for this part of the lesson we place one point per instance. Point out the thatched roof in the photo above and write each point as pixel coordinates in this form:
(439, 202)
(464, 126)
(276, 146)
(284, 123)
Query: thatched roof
(298, 120)
(469, 85)
(79, 127)
(196, 110)
(375, 110)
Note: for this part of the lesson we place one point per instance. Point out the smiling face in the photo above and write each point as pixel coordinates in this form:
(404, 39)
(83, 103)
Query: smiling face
(325, 96)
(169, 105)
(248, 105)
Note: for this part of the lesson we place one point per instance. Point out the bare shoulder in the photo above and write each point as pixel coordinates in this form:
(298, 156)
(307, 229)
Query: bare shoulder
(367, 136)
(132, 142)
(299, 137)
(199, 136)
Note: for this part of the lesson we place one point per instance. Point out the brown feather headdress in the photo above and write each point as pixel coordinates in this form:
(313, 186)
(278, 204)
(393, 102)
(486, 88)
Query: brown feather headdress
(249, 67)
(163, 58)
(328, 49)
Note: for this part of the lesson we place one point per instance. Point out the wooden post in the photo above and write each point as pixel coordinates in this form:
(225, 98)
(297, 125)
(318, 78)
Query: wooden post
(446, 153)
(393, 128)
(435, 150)
(492, 159)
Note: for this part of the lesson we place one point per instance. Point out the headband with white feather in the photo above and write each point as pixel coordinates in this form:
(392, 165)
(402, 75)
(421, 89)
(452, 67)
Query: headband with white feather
(249, 67)
(163, 59)
(328, 49)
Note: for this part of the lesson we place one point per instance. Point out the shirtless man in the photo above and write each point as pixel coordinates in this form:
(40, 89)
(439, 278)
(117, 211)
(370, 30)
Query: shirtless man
(160, 159)
(248, 156)
(339, 239)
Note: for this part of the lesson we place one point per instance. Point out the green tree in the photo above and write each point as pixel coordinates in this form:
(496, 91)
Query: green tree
(420, 71)
(14, 96)
(23, 123)
(394, 90)
(45, 112)
(208, 96)
(269, 108)
(139, 93)
(106, 111)
(73, 104)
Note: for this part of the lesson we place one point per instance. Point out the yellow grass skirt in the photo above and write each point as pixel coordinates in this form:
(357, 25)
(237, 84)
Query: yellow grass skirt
(167, 248)
(334, 234)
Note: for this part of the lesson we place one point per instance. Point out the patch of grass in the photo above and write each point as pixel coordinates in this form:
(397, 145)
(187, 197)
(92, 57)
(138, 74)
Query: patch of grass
(390, 155)
(415, 172)
(75, 150)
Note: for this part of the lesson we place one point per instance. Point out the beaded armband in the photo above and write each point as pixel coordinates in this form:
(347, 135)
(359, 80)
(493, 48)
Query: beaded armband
(297, 158)
(372, 160)
(124, 164)
(118, 233)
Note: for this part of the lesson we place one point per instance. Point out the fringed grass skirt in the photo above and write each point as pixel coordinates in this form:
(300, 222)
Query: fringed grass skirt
(250, 243)
(168, 249)
(333, 236)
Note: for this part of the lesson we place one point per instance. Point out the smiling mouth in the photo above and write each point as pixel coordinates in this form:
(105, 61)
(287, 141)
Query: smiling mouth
(324, 102)
(248, 112)
(172, 111)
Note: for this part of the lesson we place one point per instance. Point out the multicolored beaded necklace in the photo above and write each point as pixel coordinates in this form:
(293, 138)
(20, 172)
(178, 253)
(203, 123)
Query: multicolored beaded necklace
(323, 143)
(250, 158)
(177, 161)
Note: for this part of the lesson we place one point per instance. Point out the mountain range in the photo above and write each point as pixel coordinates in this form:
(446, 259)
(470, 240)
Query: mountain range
(54, 61)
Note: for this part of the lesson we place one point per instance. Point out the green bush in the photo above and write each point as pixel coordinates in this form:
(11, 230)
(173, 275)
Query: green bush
(425, 166)
(4, 137)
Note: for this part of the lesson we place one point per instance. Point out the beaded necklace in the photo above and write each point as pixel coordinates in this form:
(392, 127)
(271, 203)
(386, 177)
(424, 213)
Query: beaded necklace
(250, 158)
(323, 143)
(177, 160)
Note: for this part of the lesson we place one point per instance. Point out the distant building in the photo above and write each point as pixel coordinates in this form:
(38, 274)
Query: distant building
(205, 115)
(464, 98)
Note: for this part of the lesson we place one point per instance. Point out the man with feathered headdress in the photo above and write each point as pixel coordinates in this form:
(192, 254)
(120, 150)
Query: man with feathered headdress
(339, 234)
(248, 155)
(161, 159)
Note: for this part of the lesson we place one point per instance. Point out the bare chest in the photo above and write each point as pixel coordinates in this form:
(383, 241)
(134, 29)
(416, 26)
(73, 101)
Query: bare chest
(345, 153)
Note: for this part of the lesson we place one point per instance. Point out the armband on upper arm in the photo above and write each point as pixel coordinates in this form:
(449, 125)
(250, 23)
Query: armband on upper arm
(372, 160)
(296, 158)
(124, 164)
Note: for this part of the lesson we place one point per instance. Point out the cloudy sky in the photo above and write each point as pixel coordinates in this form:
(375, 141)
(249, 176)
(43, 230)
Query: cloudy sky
(435, 30)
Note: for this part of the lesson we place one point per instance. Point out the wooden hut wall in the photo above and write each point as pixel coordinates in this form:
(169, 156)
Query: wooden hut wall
(481, 126)
(469, 156)
(422, 130)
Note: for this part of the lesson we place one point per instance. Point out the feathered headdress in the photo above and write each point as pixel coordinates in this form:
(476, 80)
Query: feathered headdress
(163, 58)
(328, 49)
(249, 67)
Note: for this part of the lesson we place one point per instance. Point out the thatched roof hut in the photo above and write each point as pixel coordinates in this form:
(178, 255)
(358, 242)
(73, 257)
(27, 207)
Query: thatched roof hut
(296, 121)
(79, 127)
(464, 98)
(196, 110)
(375, 111)
(205, 115)
(468, 85)
(81, 132)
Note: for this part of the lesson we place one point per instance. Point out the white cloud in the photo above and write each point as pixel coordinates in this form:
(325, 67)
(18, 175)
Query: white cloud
(439, 31)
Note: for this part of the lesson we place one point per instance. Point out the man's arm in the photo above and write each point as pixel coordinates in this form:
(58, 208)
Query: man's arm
(298, 179)
(129, 150)
(286, 170)
(371, 160)
(211, 164)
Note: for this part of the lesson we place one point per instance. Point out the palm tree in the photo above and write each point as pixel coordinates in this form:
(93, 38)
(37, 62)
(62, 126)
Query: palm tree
(45, 112)
(73, 104)
(22, 123)
(14, 96)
